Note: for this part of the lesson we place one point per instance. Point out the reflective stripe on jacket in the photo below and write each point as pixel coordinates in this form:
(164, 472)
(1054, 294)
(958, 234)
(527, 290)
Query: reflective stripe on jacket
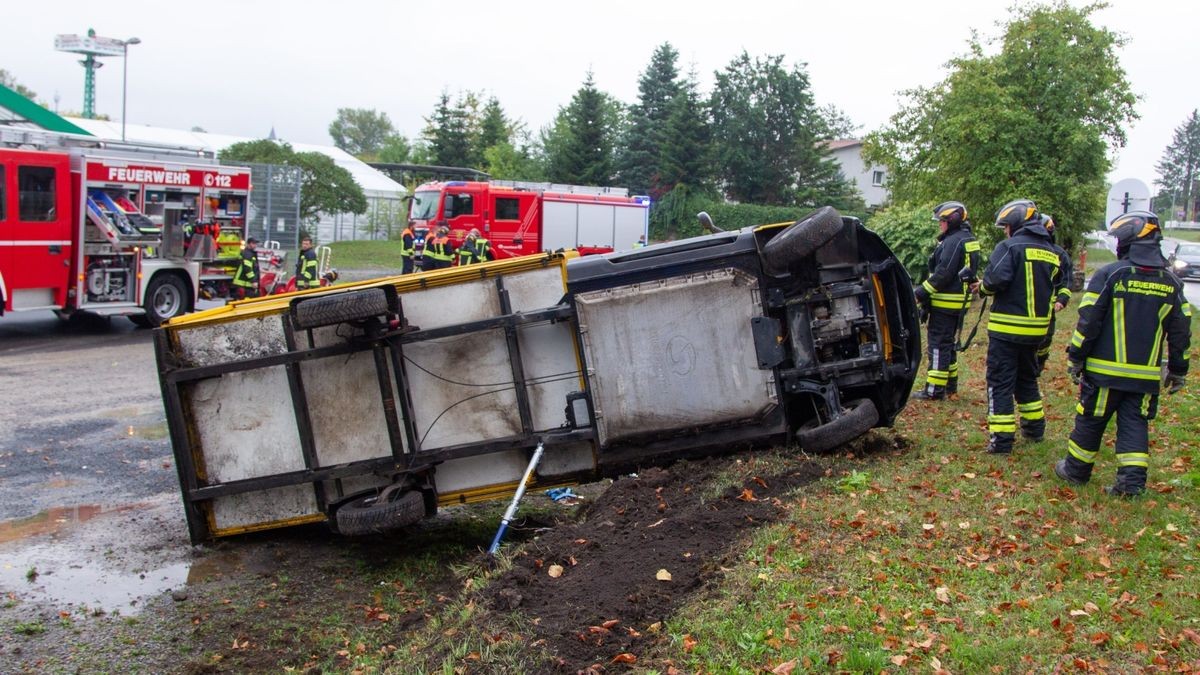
(408, 245)
(1023, 273)
(306, 270)
(956, 249)
(1124, 317)
(247, 270)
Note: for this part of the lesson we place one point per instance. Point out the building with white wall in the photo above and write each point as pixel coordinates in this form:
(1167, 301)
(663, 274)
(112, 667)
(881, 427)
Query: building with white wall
(870, 179)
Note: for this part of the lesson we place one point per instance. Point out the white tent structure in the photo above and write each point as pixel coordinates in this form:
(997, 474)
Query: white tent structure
(386, 210)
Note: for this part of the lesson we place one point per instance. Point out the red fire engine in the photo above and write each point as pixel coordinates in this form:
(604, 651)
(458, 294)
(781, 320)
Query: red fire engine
(526, 218)
(110, 228)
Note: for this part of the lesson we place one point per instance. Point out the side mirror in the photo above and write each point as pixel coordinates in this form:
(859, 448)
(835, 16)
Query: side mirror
(706, 222)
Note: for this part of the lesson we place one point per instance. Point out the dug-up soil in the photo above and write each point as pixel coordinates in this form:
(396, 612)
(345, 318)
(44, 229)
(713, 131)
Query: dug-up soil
(613, 586)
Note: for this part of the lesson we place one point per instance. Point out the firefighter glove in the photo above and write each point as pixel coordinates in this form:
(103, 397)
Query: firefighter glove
(1075, 370)
(921, 295)
(1174, 382)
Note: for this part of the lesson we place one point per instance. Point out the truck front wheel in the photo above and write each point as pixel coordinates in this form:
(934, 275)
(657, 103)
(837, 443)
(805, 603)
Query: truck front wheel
(858, 418)
(166, 297)
(800, 239)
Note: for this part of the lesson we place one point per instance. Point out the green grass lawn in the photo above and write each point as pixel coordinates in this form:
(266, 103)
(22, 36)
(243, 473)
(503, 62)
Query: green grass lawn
(951, 559)
(363, 255)
(1184, 235)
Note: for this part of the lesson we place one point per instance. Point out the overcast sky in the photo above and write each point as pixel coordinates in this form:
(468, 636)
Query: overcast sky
(241, 67)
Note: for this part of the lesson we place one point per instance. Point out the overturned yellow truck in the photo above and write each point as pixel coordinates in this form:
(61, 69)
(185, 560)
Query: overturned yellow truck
(370, 405)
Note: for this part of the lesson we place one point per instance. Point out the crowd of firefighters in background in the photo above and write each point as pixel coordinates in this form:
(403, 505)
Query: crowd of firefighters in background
(438, 251)
(1131, 307)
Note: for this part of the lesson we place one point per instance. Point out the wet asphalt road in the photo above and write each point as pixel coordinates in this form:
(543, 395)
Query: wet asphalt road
(81, 420)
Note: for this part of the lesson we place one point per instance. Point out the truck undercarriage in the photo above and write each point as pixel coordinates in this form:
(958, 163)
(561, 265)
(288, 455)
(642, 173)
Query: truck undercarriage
(370, 405)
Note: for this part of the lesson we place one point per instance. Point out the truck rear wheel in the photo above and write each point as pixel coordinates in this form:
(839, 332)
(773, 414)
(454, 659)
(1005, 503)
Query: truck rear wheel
(859, 417)
(166, 298)
(367, 515)
(340, 308)
(800, 239)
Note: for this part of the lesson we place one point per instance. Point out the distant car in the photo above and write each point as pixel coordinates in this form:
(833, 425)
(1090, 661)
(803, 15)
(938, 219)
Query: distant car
(1185, 261)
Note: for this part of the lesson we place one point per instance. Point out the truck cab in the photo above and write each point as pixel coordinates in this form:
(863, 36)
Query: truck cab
(36, 243)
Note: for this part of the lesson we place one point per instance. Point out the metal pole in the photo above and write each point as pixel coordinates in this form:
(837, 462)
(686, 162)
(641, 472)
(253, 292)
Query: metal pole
(516, 500)
(125, 79)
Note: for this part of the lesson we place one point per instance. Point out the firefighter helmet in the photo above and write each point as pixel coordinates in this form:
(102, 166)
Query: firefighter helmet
(1016, 214)
(1047, 222)
(1133, 226)
(954, 213)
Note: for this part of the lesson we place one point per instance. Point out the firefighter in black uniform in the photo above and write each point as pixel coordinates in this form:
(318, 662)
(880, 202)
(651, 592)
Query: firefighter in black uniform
(1062, 294)
(1116, 353)
(408, 248)
(1022, 274)
(945, 297)
(306, 266)
(246, 277)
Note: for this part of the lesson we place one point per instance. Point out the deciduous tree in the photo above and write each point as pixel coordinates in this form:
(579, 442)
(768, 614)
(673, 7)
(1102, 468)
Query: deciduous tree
(1036, 119)
(325, 187)
(361, 132)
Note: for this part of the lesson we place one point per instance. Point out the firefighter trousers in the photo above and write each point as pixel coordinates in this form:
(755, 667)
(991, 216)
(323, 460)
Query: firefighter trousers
(1096, 407)
(942, 336)
(406, 264)
(1012, 372)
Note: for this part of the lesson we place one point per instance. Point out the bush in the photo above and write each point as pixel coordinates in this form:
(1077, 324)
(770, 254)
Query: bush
(906, 228)
(674, 216)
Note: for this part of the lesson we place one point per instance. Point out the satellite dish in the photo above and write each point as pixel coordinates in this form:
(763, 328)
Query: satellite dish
(1126, 195)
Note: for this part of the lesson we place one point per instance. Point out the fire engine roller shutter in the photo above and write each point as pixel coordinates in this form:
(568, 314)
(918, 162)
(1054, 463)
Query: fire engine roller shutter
(674, 354)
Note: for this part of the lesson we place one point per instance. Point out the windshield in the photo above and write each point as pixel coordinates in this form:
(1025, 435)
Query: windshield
(424, 205)
(1188, 249)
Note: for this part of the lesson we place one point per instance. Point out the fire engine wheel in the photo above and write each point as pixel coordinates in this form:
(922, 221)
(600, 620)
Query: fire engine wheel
(860, 415)
(367, 515)
(166, 297)
(800, 239)
(331, 309)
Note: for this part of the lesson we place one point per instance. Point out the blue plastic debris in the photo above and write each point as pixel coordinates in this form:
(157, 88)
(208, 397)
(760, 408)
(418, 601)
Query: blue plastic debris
(561, 494)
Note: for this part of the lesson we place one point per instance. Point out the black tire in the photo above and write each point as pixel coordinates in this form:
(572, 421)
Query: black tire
(340, 308)
(166, 297)
(366, 515)
(859, 417)
(801, 239)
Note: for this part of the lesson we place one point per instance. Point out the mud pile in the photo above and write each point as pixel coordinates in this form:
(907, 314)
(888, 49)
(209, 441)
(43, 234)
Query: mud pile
(637, 554)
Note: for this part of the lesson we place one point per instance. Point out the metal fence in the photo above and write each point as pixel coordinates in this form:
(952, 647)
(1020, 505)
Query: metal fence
(274, 213)
(385, 218)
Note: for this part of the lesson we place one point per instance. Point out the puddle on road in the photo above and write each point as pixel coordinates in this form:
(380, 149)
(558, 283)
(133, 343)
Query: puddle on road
(71, 573)
(52, 521)
(152, 432)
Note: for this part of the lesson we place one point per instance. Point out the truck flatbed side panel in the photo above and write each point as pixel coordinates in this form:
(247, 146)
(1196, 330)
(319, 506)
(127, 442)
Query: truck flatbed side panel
(344, 405)
(246, 436)
(674, 354)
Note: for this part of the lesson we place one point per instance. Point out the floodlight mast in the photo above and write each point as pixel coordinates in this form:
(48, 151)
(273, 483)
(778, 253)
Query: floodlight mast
(91, 46)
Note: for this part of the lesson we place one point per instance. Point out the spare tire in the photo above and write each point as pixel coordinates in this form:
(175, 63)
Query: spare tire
(367, 515)
(801, 239)
(859, 417)
(325, 310)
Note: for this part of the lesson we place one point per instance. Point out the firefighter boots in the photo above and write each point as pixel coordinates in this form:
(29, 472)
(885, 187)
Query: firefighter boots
(931, 392)
(1062, 471)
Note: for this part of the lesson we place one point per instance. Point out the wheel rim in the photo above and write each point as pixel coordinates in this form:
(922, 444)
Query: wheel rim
(167, 301)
